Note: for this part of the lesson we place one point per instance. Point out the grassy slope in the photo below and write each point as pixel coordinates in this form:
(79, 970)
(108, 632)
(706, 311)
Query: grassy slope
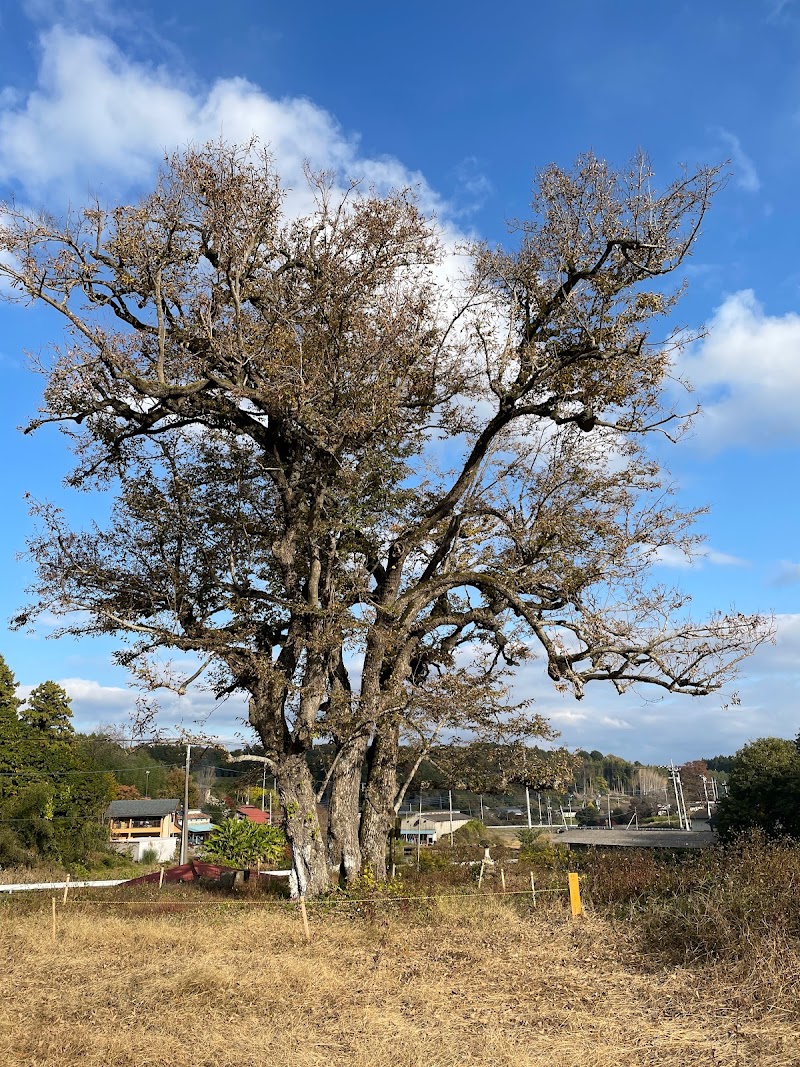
(467, 982)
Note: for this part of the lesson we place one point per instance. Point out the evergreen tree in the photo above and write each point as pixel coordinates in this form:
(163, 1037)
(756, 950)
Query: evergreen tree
(48, 710)
(9, 701)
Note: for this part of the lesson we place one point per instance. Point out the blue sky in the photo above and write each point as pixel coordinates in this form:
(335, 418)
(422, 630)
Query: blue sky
(466, 102)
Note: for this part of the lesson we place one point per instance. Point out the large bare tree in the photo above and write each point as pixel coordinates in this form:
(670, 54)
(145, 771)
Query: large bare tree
(339, 470)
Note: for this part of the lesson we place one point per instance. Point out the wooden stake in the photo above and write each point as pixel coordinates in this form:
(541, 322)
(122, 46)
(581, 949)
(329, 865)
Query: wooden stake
(575, 896)
(66, 890)
(480, 876)
(304, 914)
(394, 871)
(533, 890)
(503, 878)
(53, 903)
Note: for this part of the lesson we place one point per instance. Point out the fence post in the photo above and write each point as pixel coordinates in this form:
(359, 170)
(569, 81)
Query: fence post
(161, 878)
(304, 915)
(66, 890)
(503, 878)
(533, 890)
(575, 895)
(480, 876)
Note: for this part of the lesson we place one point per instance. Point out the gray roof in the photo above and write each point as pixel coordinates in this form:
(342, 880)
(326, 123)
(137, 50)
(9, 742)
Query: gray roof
(141, 809)
(604, 838)
(444, 816)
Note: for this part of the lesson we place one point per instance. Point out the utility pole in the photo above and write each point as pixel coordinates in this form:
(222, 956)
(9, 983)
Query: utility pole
(528, 802)
(185, 820)
(704, 780)
(683, 819)
(264, 787)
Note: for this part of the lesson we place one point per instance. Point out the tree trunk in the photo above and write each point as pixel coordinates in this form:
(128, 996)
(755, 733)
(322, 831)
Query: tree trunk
(377, 813)
(309, 875)
(344, 848)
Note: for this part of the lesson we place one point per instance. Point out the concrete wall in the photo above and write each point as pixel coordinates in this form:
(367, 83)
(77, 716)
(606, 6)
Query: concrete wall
(164, 848)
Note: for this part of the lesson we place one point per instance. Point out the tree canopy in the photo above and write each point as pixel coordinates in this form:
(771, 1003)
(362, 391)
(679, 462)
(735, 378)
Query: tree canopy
(48, 710)
(763, 790)
(342, 470)
(52, 796)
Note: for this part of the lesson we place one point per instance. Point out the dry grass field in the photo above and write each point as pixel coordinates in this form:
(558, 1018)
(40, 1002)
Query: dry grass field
(471, 981)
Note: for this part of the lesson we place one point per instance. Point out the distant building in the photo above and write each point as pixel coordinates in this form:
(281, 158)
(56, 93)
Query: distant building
(431, 826)
(199, 828)
(254, 814)
(138, 826)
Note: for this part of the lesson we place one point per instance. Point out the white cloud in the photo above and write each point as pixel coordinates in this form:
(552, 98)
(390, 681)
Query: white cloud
(747, 375)
(672, 556)
(744, 169)
(95, 704)
(99, 120)
(653, 726)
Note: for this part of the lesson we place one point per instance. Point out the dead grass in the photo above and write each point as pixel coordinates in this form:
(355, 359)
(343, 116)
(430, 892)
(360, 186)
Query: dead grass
(468, 983)
(30, 875)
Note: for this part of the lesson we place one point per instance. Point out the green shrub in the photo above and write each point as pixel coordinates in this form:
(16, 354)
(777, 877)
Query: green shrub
(241, 843)
(537, 849)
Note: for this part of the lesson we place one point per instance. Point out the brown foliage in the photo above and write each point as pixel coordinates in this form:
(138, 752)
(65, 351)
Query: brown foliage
(271, 394)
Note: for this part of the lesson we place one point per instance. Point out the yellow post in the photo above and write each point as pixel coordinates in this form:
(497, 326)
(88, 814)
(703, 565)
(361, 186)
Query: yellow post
(575, 895)
(503, 879)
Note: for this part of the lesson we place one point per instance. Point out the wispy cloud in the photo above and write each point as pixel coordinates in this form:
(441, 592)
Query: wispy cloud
(744, 169)
(672, 556)
(788, 574)
(473, 187)
(777, 8)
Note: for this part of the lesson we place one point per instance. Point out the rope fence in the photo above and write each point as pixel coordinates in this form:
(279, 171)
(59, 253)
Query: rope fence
(572, 888)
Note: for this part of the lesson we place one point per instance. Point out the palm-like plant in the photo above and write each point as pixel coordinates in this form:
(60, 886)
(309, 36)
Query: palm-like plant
(241, 843)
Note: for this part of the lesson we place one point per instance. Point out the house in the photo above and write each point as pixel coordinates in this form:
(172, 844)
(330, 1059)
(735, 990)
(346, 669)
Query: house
(199, 828)
(138, 826)
(431, 826)
(254, 814)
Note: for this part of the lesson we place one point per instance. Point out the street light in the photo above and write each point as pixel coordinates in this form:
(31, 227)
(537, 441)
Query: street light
(147, 783)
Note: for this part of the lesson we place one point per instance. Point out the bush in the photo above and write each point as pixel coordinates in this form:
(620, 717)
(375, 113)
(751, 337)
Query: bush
(537, 849)
(241, 843)
(734, 904)
(12, 852)
(473, 833)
